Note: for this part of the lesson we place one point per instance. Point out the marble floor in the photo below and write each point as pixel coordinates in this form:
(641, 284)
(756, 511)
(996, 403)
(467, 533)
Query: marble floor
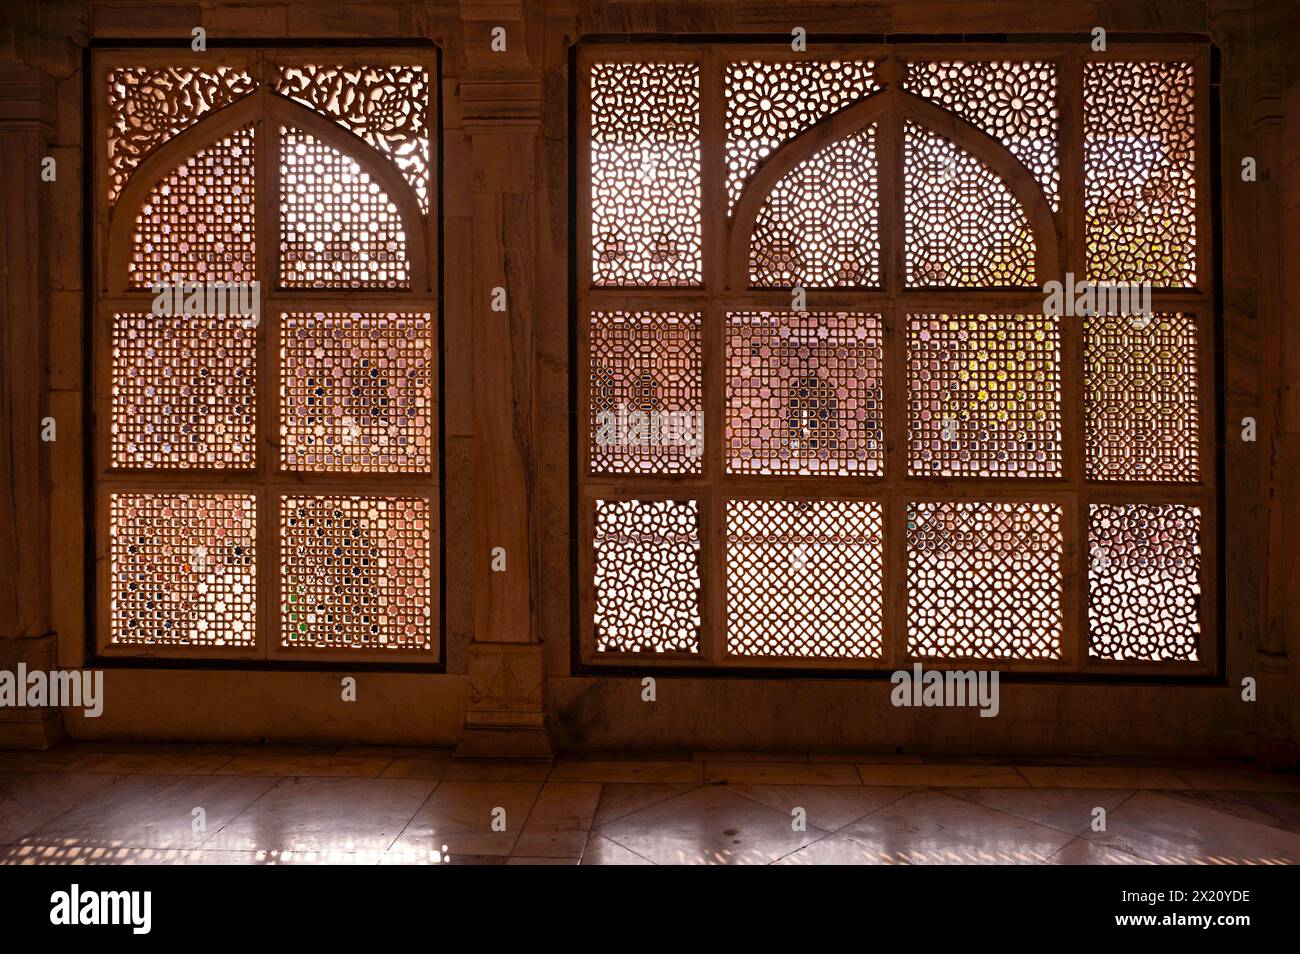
(144, 803)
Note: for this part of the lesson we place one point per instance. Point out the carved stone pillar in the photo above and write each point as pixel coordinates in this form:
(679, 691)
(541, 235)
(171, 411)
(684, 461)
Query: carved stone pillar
(27, 113)
(500, 95)
(1277, 207)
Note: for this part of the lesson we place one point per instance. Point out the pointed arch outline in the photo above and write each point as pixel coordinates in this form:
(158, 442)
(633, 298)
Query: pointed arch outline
(887, 108)
(266, 111)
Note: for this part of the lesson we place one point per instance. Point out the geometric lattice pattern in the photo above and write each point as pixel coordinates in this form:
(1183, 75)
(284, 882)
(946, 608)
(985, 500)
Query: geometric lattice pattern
(984, 580)
(804, 394)
(197, 222)
(384, 105)
(646, 408)
(183, 570)
(357, 392)
(647, 580)
(150, 105)
(645, 174)
(964, 226)
(770, 103)
(804, 578)
(354, 573)
(818, 227)
(183, 392)
(1144, 591)
(338, 227)
(1140, 398)
(1014, 103)
(1140, 172)
(984, 396)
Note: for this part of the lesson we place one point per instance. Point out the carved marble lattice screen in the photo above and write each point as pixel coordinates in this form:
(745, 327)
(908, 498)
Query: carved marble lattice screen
(828, 414)
(267, 478)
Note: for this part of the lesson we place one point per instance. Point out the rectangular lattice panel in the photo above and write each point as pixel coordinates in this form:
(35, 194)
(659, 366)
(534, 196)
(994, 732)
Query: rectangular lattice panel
(647, 576)
(183, 393)
(984, 396)
(183, 570)
(355, 573)
(645, 174)
(1140, 397)
(196, 224)
(338, 227)
(984, 580)
(1144, 589)
(356, 392)
(646, 407)
(804, 394)
(804, 578)
(1140, 172)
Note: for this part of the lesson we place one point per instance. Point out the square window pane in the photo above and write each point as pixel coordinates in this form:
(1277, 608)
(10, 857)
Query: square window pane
(984, 580)
(804, 578)
(1144, 588)
(804, 394)
(356, 392)
(355, 573)
(646, 405)
(645, 174)
(984, 396)
(184, 393)
(1140, 172)
(183, 570)
(647, 556)
(1140, 397)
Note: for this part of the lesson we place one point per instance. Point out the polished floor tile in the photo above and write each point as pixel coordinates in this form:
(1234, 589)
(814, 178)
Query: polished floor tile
(141, 763)
(1081, 851)
(90, 855)
(216, 856)
(836, 850)
(1174, 831)
(29, 800)
(936, 828)
(564, 806)
(135, 803)
(317, 766)
(460, 815)
(943, 776)
(153, 811)
(582, 771)
(469, 770)
(750, 757)
(327, 815)
(781, 773)
(1067, 810)
(1275, 809)
(1239, 780)
(623, 798)
(1095, 776)
(550, 843)
(828, 807)
(709, 825)
(523, 860)
(601, 851)
(54, 760)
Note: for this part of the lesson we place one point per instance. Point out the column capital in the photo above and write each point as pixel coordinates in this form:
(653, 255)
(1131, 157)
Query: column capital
(46, 37)
(501, 100)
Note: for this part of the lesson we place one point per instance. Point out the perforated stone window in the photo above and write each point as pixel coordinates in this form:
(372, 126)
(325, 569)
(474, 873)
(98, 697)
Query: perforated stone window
(266, 356)
(837, 266)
